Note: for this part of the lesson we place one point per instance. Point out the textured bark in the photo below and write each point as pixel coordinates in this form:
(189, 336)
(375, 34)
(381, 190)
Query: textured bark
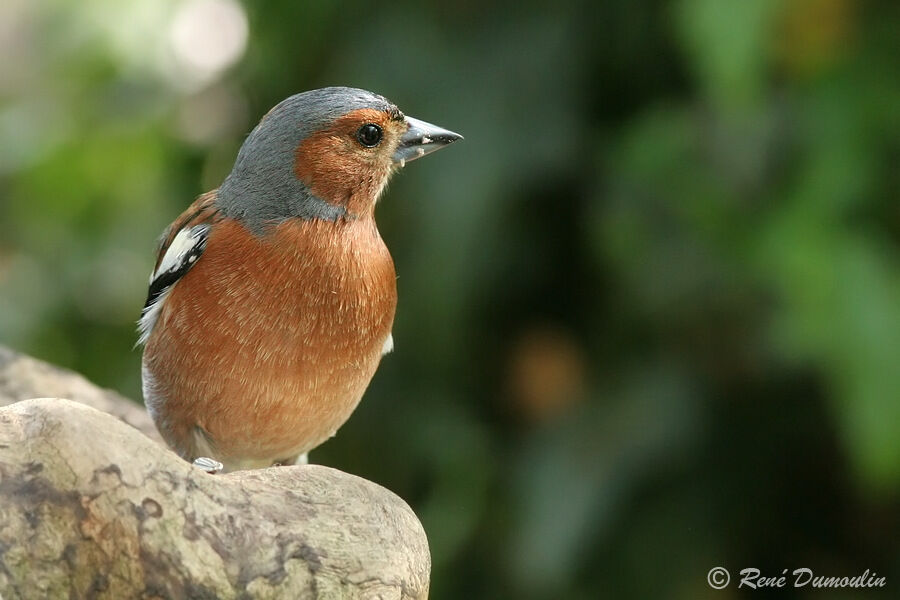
(91, 508)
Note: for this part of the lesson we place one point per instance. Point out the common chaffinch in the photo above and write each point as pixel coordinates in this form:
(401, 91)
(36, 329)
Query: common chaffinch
(273, 297)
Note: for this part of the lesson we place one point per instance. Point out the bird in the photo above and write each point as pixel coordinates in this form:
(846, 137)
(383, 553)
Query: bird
(272, 299)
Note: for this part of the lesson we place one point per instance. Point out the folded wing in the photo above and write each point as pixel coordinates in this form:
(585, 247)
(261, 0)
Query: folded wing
(180, 247)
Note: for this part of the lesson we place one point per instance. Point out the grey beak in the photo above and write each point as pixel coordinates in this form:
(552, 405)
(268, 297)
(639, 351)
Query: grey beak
(420, 139)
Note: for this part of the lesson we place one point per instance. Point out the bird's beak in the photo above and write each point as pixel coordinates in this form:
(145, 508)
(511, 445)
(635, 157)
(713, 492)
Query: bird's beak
(420, 139)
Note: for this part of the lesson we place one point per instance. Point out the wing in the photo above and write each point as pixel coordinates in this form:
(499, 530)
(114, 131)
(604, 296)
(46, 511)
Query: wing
(180, 247)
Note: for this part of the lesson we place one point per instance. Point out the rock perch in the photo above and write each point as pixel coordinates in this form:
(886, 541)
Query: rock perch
(92, 508)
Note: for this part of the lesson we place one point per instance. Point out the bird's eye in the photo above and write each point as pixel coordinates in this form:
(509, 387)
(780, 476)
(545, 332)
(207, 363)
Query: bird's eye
(369, 135)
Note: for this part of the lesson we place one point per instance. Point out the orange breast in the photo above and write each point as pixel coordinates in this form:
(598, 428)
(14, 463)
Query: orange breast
(269, 343)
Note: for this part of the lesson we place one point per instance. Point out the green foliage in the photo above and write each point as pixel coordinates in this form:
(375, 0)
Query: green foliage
(649, 315)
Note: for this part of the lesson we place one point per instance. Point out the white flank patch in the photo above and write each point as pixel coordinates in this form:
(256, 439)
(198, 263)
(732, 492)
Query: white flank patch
(388, 344)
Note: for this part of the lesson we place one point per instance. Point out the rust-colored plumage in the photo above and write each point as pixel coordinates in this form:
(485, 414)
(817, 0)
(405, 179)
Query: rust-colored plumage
(301, 318)
(273, 298)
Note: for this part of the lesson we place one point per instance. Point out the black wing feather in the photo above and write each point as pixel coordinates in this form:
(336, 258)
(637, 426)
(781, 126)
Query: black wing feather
(166, 279)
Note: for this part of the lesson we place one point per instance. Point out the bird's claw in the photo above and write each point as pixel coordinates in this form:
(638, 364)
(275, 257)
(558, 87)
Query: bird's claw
(209, 465)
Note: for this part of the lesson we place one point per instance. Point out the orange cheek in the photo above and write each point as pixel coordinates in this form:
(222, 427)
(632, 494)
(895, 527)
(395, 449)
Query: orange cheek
(327, 167)
(336, 170)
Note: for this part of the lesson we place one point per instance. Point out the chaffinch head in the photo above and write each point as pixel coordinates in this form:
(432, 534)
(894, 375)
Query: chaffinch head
(273, 297)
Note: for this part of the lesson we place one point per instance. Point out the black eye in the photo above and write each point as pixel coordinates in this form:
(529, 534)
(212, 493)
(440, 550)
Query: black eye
(369, 135)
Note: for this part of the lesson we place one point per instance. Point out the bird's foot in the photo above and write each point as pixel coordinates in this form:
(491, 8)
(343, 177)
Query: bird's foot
(209, 465)
(302, 459)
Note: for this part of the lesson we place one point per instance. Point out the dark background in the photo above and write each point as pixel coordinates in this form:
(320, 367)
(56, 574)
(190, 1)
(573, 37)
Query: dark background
(649, 316)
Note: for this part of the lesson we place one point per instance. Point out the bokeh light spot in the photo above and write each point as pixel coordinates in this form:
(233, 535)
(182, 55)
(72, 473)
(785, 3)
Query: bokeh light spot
(208, 36)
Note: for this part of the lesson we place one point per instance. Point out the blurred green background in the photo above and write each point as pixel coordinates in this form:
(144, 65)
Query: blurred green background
(649, 316)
